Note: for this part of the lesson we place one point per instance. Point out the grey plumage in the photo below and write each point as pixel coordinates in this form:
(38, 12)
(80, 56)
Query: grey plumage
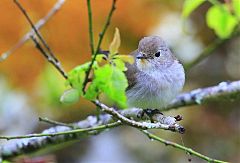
(154, 79)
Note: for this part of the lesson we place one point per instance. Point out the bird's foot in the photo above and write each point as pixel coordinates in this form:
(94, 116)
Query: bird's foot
(151, 112)
(178, 118)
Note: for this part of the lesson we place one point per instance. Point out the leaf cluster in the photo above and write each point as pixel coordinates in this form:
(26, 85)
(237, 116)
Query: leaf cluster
(107, 77)
(223, 18)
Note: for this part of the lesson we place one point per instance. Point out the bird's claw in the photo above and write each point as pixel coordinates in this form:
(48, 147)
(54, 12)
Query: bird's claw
(151, 112)
(178, 118)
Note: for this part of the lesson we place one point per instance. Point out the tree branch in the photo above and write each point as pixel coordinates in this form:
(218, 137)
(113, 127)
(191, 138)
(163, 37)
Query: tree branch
(224, 90)
(57, 64)
(50, 56)
(166, 123)
(91, 125)
(38, 25)
(101, 35)
(90, 30)
(205, 53)
(180, 147)
(61, 134)
(68, 132)
(211, 48)
(52, 122)
(28, 145)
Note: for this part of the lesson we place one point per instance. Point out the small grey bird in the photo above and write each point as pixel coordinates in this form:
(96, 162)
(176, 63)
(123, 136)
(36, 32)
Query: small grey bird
(156, 77)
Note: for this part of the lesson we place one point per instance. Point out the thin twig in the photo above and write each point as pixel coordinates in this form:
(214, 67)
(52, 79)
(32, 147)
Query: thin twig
(34, 29)
(38, 25)
(50, 59)
(58, 64)
(101, 35)
(75, 131)
(211, 48)
(205, 53)
(90, 30)
(55, 122)
(180, 147)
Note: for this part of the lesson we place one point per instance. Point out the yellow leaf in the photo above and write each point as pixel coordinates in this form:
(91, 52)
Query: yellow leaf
(126, 58)
(115, 44)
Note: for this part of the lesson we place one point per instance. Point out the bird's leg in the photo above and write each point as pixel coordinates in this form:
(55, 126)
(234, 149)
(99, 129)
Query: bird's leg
(151, 112)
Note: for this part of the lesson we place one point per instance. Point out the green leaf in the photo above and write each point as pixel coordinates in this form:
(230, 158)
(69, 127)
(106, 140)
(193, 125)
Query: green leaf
(236, 7)
(112, 82)
(70, 96)
(92, 91)
(116, 88)
(77, 75)
(76, 78)
(101, 79)
(189, 6)
(50, 85)
(119, 64)
(5, 161)
(221, 21)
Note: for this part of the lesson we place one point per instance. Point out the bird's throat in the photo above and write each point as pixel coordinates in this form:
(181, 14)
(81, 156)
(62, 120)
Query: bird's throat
(144, 65)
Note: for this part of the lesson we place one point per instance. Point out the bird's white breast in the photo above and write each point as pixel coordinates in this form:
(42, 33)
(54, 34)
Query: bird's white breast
(156, 89)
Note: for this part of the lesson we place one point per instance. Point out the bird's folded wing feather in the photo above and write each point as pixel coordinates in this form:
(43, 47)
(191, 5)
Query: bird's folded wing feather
(131, 72)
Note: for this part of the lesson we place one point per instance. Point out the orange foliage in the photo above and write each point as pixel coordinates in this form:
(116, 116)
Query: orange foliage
(67, 32)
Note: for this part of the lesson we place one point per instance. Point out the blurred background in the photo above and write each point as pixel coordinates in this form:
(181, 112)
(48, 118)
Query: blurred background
(30, 87)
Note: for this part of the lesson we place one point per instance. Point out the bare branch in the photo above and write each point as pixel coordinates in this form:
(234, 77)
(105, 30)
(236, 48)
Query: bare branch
(49, 121)
(38, 25)
(166, 123)
(50, 59)
(224, 90)
(68, 132)
(50, 56)
(61, 134)
(28, 145)
(123, 116)
(180, 147)
(205, 53)
(211, 48)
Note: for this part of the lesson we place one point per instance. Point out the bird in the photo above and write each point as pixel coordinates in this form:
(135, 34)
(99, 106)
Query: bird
(156, 77)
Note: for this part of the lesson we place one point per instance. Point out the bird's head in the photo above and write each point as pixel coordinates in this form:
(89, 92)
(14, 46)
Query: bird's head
(153, 54)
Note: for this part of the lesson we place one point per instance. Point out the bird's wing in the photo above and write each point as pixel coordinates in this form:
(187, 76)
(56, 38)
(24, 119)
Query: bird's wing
(132, 71)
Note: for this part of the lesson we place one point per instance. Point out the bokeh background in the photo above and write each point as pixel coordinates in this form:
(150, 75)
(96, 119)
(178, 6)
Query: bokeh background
(30, 87)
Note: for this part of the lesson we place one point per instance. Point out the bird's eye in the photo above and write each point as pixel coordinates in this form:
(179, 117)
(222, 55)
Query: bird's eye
(157, 54)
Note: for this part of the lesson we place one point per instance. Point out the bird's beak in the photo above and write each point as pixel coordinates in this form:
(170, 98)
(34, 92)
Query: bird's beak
(141, 56)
